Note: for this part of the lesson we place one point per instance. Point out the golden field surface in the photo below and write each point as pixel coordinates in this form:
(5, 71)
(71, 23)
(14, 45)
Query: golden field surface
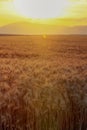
(43, 82)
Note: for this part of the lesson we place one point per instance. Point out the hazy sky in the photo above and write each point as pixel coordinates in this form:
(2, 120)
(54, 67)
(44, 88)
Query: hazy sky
(76, 14)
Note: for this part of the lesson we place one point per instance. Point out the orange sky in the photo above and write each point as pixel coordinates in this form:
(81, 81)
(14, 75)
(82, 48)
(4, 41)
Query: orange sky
(76, 15)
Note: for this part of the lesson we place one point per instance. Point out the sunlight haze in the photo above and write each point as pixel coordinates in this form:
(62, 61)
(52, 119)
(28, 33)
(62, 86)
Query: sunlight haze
(67, 13)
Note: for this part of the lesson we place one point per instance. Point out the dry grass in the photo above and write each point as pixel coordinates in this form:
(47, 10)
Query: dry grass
(43, 83)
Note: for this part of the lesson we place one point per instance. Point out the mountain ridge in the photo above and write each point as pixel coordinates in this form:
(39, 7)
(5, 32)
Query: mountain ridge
(28, 28)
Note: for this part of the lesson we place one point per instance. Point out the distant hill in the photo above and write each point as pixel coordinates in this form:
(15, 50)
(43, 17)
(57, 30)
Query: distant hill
(35, 28)
(77, 30)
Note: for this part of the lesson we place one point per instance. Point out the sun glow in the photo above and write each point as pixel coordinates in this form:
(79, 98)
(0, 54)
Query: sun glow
(41, 9)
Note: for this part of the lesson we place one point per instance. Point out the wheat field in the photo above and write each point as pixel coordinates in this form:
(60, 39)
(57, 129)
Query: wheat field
(43, 82)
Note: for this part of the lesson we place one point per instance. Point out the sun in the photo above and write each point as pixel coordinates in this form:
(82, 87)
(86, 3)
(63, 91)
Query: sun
(41, 9)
